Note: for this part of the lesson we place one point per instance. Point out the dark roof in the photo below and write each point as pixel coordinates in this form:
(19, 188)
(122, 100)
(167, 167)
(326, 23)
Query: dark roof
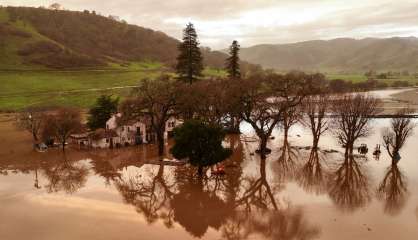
(102, 133)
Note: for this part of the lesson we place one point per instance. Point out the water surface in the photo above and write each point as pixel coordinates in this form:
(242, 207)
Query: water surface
(115, 194)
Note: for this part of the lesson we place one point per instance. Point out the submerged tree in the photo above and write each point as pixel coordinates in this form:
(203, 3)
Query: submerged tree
(315, 108)
(61, 125)
(200, 143)
(353, 116)
(395, 137)
(154, 101)
(393, 188)
(263, 102)
(32, 120)
(103, 109)
(232, 62)
(189, 61)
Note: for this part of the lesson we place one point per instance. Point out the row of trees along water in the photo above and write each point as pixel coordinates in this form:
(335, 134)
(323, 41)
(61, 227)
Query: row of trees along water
(215, 106)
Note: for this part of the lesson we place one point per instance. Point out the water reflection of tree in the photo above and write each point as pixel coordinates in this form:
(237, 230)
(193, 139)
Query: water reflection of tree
(393, 190)
(150, 195)
(312, 176)
(349, 185)
(258, 192)
(104, 169)
(197, 209)
(286, 165)
(65, 175)
(257, 213)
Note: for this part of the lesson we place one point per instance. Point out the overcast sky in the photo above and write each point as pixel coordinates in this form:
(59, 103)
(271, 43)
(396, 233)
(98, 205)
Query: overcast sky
(252, 22)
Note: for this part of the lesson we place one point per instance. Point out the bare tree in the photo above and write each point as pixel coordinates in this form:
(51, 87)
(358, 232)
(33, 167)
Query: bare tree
(153, 100)
(205, 100)
(62, 124)
(264, 102)
(31, 120)
(353, 115)
(316, 107)
(395, 137)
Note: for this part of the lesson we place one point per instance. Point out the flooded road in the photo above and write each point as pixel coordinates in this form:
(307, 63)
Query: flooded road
(115, 194)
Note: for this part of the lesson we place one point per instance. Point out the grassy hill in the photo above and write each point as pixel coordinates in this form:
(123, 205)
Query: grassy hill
(36, 38)
(338, 55)
(70, 58)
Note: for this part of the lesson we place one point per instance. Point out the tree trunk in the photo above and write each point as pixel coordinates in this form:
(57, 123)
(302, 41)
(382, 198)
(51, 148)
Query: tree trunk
(160, 142)
(63, 145)
(286, 133)
(35, 137)
(315, 143)
(263, 147)
(200, 171)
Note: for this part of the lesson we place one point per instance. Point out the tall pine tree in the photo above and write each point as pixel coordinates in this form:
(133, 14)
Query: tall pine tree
(232, 62)
(189, 62)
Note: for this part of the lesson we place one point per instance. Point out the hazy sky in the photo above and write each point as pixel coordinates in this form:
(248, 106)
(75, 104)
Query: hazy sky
(252, 22)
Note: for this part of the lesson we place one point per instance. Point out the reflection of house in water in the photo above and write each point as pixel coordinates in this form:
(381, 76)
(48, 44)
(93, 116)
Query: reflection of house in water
(121, 132)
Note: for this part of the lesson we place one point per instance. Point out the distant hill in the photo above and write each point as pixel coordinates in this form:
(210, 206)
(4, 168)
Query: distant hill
(49, 39)
(337, 55)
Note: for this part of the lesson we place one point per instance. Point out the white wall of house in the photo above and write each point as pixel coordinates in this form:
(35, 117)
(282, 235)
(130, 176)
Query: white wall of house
(101, 143)
(127, 133)
(170, 125)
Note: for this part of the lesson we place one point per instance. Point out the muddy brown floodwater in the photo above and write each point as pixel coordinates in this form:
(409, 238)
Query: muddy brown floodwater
(116, 194)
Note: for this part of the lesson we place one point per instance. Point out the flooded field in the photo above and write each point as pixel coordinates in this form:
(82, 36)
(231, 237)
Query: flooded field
(125, 194)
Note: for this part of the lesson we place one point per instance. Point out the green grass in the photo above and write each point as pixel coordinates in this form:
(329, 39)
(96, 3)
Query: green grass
(20, 89)
(211, 72)
(26, 88)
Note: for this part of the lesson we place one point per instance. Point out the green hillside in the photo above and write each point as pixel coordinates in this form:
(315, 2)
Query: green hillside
(37, 38)
(69, 58)
(338, 55)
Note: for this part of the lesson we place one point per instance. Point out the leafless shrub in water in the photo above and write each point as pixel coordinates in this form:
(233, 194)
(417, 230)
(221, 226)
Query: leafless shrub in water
(353, 113)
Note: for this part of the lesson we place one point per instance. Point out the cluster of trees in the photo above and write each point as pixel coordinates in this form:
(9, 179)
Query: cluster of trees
(50, 126)
(265, 101)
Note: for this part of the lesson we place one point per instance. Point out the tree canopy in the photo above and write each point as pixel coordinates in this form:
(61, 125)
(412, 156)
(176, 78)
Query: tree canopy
(189, 61)
(103, 109)
(200, 143)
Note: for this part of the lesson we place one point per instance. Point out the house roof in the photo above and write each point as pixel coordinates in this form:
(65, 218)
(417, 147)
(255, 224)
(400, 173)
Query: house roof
(102, 133)
(81, 135)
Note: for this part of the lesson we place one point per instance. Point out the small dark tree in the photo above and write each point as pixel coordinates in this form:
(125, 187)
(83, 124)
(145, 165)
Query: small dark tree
(189, 61)
(101, 112)
(201, 144)
(232, 62)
